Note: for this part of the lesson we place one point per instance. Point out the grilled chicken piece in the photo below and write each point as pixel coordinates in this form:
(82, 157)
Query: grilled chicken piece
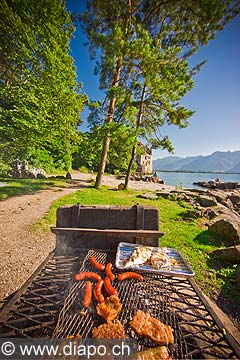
(77, 336)
(145, 325)
(160, 260)
(109, 308)
(110, 330)
(139, 256)
(157, 353)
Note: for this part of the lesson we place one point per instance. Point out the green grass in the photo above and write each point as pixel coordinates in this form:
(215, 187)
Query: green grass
(17, 187)
(187, 236)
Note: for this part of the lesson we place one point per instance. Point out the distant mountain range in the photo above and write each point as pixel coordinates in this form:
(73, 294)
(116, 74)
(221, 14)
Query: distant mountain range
(218, 161)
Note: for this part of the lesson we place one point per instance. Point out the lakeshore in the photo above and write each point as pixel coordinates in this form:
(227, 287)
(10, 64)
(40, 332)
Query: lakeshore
(186, 179)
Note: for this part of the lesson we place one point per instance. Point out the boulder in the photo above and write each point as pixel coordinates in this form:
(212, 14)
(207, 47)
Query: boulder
(182, 197)
(195, 192)
(218, 185)
(228, 185)
(235, 198)
(219, 195)
(207, 201)
(230, 254)
(41, 176)
(202, 184)
(121, 186)
(68, 176)
(237, 205)
(210, 213)
(238, 277)
(226, 228)
(148, 195)
(163, 194)
(228, 204)
(192, 214)
(33, 176)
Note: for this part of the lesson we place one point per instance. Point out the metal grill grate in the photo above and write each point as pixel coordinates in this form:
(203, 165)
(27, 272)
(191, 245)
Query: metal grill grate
(146, 296)
(49, 305)
(34, 309)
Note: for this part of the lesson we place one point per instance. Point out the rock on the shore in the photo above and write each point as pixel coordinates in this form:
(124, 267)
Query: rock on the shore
(237, 205)
(163, 194)
(226, 228)
(230, 254)
(148, 195)
(210, 213)
(238, 277)
(207, 201)
(235, 198)
(218, 185)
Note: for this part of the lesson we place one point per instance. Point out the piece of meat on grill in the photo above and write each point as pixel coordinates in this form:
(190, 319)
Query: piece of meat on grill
(157, 353)
(147, 326)
(110, 330)
(77, 336)
(109, 308)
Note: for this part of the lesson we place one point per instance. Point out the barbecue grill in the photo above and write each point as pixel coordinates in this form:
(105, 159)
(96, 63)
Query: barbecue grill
(48, 304)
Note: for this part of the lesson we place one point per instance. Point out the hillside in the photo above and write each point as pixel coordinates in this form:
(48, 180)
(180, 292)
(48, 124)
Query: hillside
(218, 161)
(236, 169)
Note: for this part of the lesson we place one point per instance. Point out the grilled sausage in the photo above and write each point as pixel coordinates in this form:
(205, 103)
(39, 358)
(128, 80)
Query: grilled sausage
(87, 275)
(108, 287)
(96, 264)
(109, 272)
(88, 294)
(130, 275)
(98, 291)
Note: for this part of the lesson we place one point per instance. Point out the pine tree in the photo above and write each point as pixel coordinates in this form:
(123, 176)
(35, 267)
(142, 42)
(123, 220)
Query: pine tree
(131, 30)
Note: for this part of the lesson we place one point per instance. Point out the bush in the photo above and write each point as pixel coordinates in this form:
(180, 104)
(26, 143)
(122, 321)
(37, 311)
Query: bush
(4, 168)
(83, 169)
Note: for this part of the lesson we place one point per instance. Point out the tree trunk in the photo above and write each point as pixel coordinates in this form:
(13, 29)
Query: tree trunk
(109, 119)
(134, 148)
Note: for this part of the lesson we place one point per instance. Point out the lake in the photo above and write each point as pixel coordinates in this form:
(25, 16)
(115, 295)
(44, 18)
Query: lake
(186, 179)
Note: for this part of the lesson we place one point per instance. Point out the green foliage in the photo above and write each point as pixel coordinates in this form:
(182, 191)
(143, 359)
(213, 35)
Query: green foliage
(89, 152)
(40, 99)
(4, 168)
(83, 169)
(122, 140)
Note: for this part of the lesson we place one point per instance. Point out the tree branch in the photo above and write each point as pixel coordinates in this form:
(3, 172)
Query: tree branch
(156, 8)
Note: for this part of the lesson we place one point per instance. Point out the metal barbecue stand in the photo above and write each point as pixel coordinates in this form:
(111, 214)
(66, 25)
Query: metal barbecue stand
(49, 303)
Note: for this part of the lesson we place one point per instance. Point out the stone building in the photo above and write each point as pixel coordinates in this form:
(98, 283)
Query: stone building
(144, 161)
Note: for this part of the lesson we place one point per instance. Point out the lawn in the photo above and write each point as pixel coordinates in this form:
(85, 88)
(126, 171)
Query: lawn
(16, 187)
(182, 233)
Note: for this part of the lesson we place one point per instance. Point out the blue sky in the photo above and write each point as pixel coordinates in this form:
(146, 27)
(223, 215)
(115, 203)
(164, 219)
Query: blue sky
(215, 98)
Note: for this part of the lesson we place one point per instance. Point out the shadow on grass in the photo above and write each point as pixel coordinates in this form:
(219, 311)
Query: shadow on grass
(205, 238)
(18, 187)
(188, 215)
(228, 298)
